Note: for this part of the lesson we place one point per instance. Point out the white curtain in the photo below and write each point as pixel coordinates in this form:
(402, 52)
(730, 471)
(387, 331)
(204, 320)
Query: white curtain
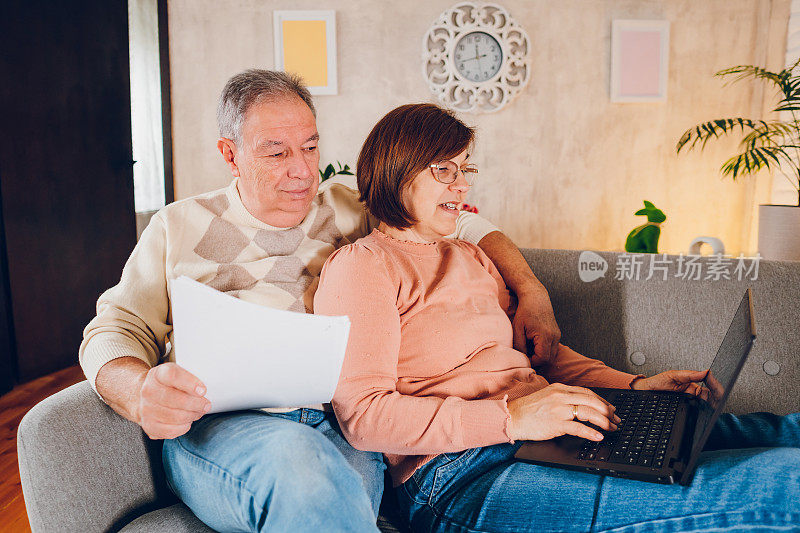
(148, 172)
(782, 190)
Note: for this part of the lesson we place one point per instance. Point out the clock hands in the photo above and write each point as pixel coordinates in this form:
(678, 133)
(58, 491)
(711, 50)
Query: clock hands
(478, 58)
(471, 59)
(478, 55)
(468, 72)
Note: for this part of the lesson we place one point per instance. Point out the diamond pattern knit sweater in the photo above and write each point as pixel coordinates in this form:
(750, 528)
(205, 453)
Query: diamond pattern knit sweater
(213, 239)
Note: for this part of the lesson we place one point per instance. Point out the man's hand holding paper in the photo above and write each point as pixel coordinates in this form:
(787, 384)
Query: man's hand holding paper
(251, 356)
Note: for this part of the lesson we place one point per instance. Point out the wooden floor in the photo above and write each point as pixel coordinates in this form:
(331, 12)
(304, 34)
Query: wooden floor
(13, 406)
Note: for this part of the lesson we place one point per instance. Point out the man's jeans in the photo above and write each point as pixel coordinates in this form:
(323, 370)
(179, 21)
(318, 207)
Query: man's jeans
(747, 479)
(258, 471)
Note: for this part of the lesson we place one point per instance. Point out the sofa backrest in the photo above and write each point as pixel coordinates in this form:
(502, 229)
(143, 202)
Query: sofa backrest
(645, 326)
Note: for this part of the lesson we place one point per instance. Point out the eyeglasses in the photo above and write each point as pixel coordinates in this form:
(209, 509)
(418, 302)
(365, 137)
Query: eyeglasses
(447, 172)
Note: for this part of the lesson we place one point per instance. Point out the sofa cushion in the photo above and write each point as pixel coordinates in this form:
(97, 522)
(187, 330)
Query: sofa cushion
(178, 518)
(175, 519)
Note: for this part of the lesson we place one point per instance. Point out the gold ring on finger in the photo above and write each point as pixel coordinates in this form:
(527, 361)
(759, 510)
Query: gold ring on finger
(574, 412)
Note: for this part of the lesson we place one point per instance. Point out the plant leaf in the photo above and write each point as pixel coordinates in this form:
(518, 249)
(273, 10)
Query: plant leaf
(742, 72)
(768, 134)
(751, 161)
(713, 128)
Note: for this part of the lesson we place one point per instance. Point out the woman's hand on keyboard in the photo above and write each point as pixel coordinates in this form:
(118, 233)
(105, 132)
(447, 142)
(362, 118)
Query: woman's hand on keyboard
(550, 412)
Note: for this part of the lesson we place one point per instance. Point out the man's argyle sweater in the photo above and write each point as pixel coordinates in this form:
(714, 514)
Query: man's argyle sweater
(213, 239)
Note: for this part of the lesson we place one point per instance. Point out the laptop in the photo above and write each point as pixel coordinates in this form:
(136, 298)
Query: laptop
(661, 433)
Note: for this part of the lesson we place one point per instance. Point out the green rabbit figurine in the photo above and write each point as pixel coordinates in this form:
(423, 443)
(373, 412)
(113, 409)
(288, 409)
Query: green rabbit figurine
(644, 238)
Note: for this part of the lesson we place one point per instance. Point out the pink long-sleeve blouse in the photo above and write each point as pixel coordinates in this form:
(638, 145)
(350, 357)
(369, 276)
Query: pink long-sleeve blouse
(430, 367)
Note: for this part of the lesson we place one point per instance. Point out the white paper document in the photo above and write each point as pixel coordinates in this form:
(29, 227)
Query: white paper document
(251, 356)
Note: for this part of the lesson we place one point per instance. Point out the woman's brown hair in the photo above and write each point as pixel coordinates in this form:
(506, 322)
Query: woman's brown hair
(406, 141)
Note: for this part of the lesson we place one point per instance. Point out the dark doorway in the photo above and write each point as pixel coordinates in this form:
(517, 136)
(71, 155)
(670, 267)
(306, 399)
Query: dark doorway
(66, 178)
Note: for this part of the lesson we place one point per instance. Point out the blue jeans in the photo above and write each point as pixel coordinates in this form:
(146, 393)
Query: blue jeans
(747, 479)
(259, 471)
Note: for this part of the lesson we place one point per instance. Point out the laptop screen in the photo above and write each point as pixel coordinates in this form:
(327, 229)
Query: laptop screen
(725, 369)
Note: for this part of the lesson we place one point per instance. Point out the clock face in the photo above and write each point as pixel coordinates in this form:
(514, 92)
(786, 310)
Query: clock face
(477, 56)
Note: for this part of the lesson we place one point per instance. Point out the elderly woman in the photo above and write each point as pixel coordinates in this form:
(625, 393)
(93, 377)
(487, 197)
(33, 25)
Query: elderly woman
(431, 379)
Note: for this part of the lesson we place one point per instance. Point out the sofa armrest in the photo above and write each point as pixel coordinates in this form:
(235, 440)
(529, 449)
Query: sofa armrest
(85, 468)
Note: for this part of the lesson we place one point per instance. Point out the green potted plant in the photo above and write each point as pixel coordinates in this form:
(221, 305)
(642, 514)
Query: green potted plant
(330, 171)
(770, 144)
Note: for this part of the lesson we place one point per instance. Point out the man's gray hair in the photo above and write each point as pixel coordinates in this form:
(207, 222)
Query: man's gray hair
(251, 87)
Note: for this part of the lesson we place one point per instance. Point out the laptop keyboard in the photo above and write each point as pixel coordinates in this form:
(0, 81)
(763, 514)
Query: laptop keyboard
(643, 434)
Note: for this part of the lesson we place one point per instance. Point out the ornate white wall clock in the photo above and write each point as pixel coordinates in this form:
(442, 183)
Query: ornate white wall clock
(475, 57)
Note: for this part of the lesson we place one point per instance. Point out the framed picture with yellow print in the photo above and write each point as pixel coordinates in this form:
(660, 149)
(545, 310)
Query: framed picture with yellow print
(305, 44)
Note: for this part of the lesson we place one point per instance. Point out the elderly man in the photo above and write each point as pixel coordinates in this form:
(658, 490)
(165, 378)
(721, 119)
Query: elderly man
(263, 239)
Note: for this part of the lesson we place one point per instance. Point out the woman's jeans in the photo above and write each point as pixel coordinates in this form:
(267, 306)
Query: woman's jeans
(747, 479)
(259, 471)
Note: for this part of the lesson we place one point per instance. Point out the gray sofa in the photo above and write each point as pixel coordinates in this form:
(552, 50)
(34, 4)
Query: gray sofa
(84, 468)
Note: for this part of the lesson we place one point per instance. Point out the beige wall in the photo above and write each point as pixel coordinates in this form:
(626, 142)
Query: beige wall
(561, 167)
